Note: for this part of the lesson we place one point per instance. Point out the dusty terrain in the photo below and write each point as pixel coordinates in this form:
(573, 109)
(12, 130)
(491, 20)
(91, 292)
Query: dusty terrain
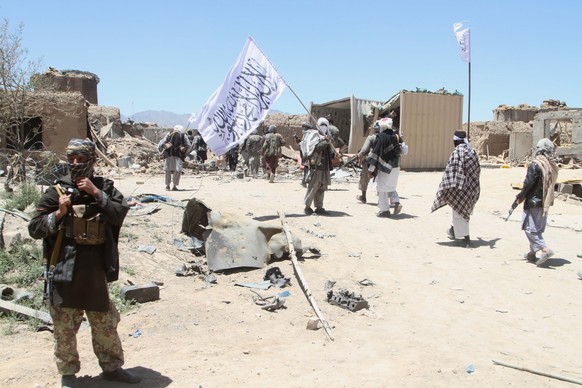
(435, 308)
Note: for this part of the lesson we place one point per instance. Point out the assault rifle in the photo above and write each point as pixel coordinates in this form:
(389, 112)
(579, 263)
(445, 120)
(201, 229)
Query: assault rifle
(511, 209)
(49, 266)
(352, 159)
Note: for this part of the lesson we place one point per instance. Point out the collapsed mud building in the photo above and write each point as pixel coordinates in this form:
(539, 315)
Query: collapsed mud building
(64, 104)
(514, 130)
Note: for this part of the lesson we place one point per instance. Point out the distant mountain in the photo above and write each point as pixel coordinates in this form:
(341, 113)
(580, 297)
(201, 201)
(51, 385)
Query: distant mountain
(166, 119)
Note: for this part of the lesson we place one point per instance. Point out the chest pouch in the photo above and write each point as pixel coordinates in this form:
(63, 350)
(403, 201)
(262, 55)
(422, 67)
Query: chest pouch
(88, 231)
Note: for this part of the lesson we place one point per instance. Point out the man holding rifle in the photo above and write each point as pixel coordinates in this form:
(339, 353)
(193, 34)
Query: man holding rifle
(537, 196)
(318, 152)
(79, 220)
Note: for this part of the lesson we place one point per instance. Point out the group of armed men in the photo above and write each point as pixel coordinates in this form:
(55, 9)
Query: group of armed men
(79, 220)
(320, 150)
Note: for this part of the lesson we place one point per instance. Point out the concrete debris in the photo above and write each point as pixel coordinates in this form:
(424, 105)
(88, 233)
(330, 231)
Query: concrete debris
(313, 323)
(346, 299)
(150, 249)
(140, 293)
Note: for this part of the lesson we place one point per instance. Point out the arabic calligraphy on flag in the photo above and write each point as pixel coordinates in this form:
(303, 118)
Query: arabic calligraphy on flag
(241, 103)
(464, 39)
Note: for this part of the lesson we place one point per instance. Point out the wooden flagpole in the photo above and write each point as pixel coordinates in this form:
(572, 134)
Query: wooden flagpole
(469, 106)
(301, 278)
(538, 372)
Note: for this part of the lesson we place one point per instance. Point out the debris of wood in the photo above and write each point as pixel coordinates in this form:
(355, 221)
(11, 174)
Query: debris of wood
(541, 373)
(301, 278)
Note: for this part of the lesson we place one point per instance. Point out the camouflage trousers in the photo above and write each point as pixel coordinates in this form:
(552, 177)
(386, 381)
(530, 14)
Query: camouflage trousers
(106, 342)
(254, 161)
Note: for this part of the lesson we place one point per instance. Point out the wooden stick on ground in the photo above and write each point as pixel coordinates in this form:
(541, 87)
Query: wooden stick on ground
(563, 378)
(302, 281)
(105, 158)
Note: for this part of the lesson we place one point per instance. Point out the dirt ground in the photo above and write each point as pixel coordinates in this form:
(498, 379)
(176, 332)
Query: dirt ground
(436, 310)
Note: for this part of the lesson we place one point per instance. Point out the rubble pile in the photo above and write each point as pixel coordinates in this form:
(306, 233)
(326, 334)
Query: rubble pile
(139, 151)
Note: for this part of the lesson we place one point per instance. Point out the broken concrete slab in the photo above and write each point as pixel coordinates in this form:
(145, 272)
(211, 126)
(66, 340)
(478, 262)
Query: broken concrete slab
(140, 293)
(22, 311)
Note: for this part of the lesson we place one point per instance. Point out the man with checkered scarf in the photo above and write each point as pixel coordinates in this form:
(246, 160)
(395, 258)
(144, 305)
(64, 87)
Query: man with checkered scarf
(459, 187)
(79, 220)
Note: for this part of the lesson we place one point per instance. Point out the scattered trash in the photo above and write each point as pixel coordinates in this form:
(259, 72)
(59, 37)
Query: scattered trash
(264, 285)
(319, 234)
(277, 302)
(366, 282)
(470, 368)
(136, 333)
(20, 294)
(329, 285)
(178, 243)
(143, 210)
(211, 279)
(355, 254)
(14, 294)
(153, 198)
(346, 299)
(6, 292)
(277, 278)
(502, 311)
(194, 269)
(146, 248)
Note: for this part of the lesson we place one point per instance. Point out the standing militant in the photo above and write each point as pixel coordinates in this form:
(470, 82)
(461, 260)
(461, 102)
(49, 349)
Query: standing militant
(79, 220)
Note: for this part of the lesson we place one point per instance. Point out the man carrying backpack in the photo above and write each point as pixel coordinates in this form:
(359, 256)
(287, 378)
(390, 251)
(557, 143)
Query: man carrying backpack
(174, 148)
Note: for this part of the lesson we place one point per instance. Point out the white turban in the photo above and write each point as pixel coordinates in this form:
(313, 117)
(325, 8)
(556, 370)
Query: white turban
(323, 124)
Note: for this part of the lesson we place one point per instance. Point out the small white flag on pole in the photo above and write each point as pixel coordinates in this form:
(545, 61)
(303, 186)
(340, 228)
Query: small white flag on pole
(464, 39)
(241, 103)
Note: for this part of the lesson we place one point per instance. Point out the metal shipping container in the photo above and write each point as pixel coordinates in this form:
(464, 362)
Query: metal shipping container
(427, 122)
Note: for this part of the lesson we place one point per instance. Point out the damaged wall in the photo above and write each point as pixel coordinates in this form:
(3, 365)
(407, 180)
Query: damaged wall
(63, 115)
(513, 134)
(54, 80)
(507, 114)
(569, 137)
(105, 116)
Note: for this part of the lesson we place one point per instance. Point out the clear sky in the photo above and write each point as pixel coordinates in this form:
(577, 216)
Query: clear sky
(172, 55)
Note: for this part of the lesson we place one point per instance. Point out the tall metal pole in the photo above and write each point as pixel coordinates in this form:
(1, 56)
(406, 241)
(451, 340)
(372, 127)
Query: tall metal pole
(469, 107)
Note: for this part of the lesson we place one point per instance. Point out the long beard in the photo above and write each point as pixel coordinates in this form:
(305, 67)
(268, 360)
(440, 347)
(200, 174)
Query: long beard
(81, 170)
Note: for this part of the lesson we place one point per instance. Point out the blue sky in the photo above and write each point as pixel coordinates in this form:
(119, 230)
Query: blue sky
(172, 55)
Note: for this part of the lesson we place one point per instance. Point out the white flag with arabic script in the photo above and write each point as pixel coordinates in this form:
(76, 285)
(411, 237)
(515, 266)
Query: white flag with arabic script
(464, 39)
(241, 103)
